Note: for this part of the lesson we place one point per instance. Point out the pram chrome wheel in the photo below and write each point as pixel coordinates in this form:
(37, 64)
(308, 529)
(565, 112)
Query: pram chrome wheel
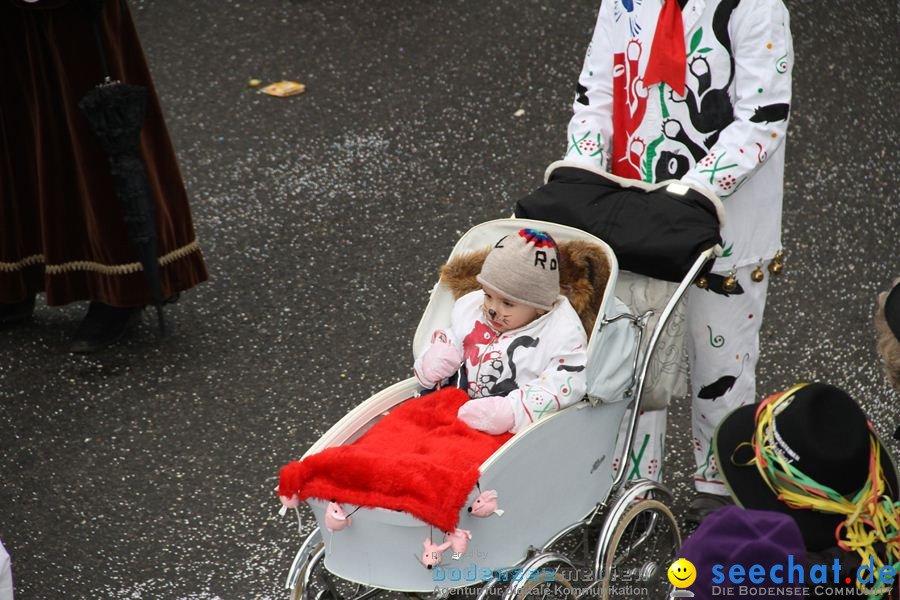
(643, 545)
(555, 587)
(303, 588)
(542, 579)
(315, 583)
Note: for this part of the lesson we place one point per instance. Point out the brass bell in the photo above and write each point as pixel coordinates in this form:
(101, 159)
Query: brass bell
(729, 283)
(776, 267)
(757, 275)
(702, 283)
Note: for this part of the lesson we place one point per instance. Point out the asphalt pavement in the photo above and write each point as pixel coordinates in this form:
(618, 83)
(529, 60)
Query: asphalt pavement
(146, 471)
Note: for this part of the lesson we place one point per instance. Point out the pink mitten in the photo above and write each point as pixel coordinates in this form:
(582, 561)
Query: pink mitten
(440, 361)
(493, 414)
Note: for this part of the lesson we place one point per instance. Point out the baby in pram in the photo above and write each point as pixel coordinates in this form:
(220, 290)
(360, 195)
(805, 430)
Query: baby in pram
(522, 344)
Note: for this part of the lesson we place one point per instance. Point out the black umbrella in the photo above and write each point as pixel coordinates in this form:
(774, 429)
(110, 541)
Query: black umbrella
(116, 111)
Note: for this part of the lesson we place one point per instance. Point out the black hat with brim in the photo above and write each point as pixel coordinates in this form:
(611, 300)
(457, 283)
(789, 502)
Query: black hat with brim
(830, 432)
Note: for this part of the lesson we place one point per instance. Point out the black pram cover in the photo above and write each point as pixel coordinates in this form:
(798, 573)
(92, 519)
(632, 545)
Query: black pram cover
(653, 232)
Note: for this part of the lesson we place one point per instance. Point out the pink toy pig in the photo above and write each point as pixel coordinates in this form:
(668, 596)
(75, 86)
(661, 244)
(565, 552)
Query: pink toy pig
(291, 503)
(288, 503)
(485, 505)
(336, 519)
(459, 541)
(433, 553)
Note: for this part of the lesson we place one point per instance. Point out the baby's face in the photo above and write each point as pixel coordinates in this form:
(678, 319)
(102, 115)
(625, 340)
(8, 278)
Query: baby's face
(503, 314)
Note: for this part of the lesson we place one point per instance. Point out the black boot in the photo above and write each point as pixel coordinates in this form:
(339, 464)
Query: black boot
(102, 326)
(13, 314)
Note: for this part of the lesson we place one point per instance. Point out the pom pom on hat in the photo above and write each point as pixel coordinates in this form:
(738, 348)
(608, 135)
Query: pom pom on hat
(524, 267)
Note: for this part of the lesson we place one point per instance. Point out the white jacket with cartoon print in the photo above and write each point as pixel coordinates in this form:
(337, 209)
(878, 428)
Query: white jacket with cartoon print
(724, 135)
(539, 367)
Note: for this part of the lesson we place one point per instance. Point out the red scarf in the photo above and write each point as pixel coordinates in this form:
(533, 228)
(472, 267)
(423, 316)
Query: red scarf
(668, 57)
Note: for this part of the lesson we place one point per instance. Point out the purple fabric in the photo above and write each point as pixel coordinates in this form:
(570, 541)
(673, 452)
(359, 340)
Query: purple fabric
(737, 536)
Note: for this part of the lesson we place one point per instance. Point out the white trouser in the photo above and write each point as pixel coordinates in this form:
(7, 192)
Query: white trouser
(722, 342)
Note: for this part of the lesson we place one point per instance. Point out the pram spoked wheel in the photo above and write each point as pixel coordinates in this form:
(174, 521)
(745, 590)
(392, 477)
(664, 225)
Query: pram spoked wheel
(303, 589)
(314, 582)
(549, 581)
(642, 545)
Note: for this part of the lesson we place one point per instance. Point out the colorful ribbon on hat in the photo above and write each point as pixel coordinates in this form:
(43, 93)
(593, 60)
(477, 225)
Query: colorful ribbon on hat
(871, 515)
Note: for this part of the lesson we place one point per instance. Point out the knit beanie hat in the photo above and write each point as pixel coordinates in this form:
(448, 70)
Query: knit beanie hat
(524, 267)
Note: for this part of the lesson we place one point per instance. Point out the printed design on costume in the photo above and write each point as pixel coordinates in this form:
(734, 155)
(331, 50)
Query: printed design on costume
(487, 374)
(722, 385)
(637, 458)
(566, 389)
(647, 166)
(711, 165)
(581, 95)
(629, 107)
(674, 130)
(535, 397)
(728, 182)
(654, 465)
(761, 155)
(671, 164)
(584, 146)
(695, 43)
(627, 7)
(710, 109)
(714, 284)
(781, 65)
(728, 249)
(709, 469)
(717, 341)
(771, 113)
(475, 346)
(504, 387)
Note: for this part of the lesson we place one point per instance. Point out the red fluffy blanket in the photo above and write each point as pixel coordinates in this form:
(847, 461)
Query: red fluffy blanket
(419, 459)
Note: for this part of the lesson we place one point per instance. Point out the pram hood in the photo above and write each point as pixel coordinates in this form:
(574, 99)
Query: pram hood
(485, 235)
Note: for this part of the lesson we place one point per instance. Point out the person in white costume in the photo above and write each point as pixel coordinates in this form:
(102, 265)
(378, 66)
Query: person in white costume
(521, 342)
(698, 91)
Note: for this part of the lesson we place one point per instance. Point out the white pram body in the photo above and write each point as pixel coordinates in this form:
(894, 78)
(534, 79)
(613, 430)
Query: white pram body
(553, 479)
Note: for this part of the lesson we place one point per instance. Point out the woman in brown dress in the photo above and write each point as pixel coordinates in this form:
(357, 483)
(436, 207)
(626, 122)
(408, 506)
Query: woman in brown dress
(61, 224)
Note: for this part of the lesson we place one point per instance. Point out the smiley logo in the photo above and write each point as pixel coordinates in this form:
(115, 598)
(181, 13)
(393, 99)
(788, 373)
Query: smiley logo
(682, 573)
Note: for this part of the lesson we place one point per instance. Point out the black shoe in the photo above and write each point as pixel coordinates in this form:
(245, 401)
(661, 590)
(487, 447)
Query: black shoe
(13, 314)
(703, 505)
(102, 326)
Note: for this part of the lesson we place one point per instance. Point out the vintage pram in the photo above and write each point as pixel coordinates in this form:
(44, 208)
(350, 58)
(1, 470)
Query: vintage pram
(603, 530)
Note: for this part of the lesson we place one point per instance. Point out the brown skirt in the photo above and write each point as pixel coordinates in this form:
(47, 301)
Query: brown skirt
(61, 225)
